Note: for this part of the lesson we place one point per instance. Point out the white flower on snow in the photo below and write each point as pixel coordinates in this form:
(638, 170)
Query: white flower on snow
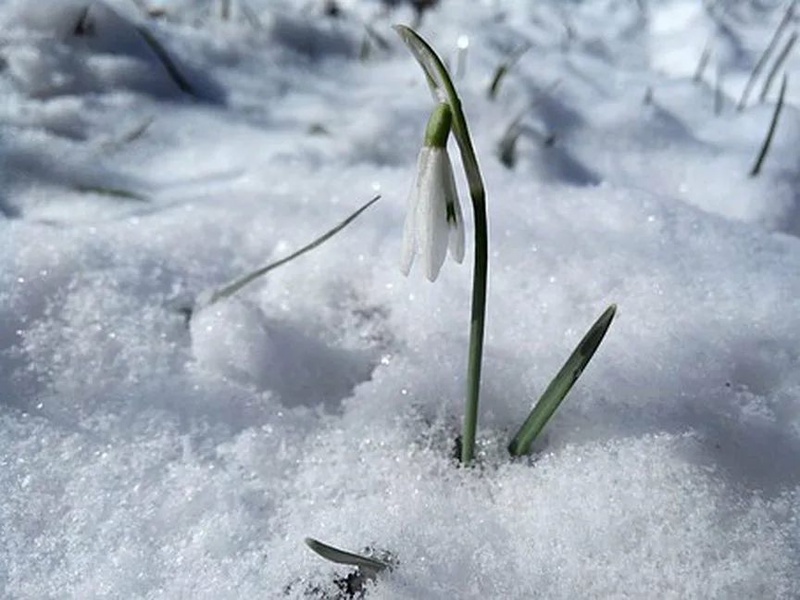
(434, 221)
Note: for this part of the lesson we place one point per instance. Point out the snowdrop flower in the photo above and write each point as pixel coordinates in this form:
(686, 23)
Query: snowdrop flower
(434, 220)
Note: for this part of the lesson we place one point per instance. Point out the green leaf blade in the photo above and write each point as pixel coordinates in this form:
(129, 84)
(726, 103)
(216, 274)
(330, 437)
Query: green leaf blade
(561, 384)
(371, 566)
(432, 66)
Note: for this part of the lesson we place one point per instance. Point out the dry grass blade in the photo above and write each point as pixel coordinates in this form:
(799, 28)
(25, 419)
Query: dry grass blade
(250, 15)
(376, 37)
(225, 10)
(111, 192)
(131, 136)
(503, 69)
(719, 95)
(762, 61)
(771, 132)
(787, 48)
(702, 63)
(170, 66)
(372, 37)
(507, 146)
(237, 285)
(83, 26)
(138, 131)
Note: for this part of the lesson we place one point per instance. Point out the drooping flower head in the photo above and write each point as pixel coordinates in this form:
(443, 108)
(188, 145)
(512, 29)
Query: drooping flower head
(434, 221)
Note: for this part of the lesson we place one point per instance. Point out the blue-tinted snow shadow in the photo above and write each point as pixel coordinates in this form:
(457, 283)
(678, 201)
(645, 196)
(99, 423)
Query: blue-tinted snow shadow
(7, 208)
(740, 415)
(29, 167)
(552, 162)
(235, 340)
(789, 223)
(308, 372)
(84, 48)
(99, 29)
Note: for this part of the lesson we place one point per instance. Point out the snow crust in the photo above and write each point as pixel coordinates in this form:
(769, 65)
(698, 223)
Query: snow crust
(147, 455)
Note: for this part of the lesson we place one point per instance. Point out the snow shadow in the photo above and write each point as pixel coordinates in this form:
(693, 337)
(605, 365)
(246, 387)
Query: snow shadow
(88, 47)
(35, 171)
(732, 406)
(239, 342)
(553, 163)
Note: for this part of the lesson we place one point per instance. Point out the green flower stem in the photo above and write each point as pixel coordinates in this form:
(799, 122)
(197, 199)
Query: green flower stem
(442, 87)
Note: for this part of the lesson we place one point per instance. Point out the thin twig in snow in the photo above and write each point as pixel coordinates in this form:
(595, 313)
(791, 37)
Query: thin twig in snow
(772, 126)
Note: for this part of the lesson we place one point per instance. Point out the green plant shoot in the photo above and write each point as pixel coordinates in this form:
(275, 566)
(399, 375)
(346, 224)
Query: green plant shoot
(369, 566)
(444, 90)
(561, 384)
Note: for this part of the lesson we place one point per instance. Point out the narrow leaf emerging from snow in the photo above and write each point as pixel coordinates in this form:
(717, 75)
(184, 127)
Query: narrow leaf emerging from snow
(561, 385)
(370, 566)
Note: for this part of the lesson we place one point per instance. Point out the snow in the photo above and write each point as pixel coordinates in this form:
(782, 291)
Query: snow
(144, 456)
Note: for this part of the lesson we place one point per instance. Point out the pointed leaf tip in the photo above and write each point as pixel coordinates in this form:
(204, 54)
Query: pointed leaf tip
(592, 339)
(371, 566)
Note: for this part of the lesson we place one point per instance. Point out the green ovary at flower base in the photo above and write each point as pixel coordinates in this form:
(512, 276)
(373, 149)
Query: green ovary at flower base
(434, 221)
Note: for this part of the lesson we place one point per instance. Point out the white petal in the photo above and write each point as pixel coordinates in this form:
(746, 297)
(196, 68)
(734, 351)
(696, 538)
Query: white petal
(432, 212)
(427, 230)
(455, 229)
(409, 245)
(410, 241)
